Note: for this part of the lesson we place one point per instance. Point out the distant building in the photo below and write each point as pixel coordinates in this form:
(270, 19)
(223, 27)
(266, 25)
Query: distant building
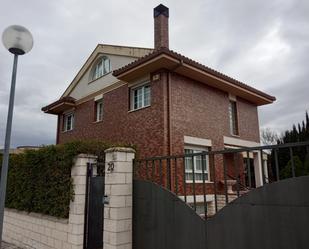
(21, 149)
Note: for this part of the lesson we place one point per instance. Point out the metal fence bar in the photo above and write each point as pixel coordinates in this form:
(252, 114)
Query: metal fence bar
(184, 178)
(236, 166)
(249, 169)
(147, 170)
(153, 170)
(169, 175)
(204, 184)
(215, 181)
(176, 178)
(262, 165)
(160, 172)
(292, 162)
(193, 179)
(277, 164)
(225, 180)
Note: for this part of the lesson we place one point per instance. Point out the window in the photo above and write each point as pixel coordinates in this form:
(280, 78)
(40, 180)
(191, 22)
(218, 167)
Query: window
(99, 110)
(196, 162)
(101, 68)
(68, 122)
(233, 118)
(140, 97)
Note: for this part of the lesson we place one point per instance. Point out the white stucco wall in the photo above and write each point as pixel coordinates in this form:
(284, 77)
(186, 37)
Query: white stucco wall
(85, 86)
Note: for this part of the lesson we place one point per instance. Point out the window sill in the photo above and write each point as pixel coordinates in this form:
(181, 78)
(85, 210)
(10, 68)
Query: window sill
(139, 109)
(67, 131)
(187, 181)
(233, 135)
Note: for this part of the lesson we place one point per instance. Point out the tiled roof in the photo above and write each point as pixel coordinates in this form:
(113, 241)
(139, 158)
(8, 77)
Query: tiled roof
(191, 62)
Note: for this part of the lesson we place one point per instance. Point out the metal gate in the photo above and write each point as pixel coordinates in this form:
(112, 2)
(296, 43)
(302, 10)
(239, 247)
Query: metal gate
(94, 207)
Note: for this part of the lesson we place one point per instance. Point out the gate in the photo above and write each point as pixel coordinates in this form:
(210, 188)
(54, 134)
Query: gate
(94, 207)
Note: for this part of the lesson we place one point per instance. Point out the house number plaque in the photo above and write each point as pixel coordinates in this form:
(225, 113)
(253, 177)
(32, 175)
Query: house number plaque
(110, 166)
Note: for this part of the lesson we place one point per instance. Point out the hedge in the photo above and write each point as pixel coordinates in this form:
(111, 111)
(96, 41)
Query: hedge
(40, 180)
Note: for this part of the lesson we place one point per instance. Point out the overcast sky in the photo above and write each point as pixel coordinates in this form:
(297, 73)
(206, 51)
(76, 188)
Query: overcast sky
(262, 43)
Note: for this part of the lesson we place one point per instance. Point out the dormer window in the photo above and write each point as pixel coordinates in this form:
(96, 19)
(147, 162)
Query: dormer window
(102, 67)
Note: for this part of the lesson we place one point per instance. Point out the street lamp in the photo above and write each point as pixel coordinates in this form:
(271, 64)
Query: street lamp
(18, 40)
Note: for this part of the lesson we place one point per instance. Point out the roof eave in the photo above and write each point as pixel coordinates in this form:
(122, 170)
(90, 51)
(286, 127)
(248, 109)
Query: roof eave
(59, 106)
(163, 60)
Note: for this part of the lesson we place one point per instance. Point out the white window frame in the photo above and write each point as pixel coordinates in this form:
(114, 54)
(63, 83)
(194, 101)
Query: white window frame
(99, 110)
(133, 97)
(101, 68)
(65, 122)
(197, 149)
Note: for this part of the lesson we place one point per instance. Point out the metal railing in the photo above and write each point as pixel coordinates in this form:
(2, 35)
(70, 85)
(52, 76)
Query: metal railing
(209, 180)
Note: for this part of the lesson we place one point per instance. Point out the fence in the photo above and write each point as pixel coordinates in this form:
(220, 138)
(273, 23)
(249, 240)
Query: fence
(209, 180)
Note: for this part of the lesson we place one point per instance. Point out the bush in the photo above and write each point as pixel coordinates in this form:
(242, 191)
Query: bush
(299, 168)
(40, 180)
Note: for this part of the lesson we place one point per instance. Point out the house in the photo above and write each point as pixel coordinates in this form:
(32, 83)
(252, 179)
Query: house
(161, 101)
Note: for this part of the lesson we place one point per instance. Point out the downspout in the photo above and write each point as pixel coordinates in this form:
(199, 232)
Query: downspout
(169, 106)
(58, 127)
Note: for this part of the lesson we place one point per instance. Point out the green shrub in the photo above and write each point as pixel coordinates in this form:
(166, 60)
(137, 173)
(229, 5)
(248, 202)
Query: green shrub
(40, 180)
(300, 169)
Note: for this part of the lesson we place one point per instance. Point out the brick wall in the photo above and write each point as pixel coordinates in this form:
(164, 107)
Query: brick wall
(144, 128)
(196, 110)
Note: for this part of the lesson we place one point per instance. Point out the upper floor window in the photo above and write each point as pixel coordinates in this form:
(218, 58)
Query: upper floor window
(233, 119)
(99, 110)
(140, 97)
(196, 164)
(102, 67)
(68, 122)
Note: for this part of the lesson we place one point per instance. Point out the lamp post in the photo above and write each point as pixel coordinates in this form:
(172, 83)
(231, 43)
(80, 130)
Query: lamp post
(18, 40)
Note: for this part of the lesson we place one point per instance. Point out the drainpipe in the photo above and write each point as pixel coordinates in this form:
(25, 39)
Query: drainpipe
(169, 113)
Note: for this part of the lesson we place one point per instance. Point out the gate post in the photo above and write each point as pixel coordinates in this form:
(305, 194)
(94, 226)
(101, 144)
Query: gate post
(77, 207)
(118, 198)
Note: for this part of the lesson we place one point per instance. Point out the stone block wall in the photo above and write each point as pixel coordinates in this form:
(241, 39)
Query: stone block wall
(118, 189)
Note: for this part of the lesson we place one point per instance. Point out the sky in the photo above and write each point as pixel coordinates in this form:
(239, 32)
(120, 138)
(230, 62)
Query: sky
(262, 43)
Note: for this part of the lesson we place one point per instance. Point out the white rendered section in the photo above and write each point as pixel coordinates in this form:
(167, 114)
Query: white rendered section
(118, 191)
(258, 169)
(239, 142)
(197, 141)
(87, 86)
(99, 97)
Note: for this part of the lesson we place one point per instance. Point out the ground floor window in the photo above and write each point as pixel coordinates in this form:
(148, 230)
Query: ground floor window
(197, 163)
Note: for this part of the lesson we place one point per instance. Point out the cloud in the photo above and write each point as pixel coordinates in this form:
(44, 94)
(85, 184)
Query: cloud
(263, 44)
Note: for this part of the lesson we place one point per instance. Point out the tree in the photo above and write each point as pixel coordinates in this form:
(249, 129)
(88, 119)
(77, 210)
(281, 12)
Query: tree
(269, 137)
(300, 169)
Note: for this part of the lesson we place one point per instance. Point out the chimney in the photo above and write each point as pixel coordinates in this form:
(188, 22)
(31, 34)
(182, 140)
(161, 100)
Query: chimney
(160, 14)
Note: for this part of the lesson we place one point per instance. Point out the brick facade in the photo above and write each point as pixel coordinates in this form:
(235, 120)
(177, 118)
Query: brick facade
(191, 109)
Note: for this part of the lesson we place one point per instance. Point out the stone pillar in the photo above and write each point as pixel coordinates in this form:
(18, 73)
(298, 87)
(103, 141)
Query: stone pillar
(118, 196)
(77, 207)
(258, 169)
